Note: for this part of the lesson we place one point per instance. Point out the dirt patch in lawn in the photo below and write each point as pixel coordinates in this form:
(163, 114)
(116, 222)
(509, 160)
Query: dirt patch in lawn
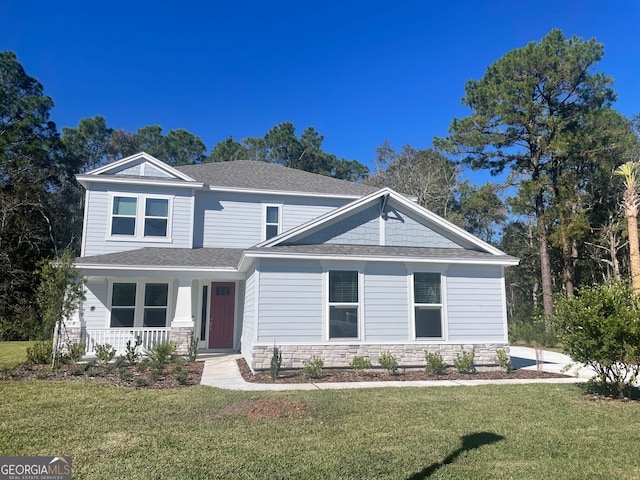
(273, 407)
(139, 376)
(413, 374)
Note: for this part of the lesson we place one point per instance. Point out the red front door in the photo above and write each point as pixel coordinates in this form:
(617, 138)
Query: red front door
(223, 299)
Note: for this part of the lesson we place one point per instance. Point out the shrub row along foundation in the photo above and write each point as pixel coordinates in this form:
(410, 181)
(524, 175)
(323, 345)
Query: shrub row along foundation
(293, 356)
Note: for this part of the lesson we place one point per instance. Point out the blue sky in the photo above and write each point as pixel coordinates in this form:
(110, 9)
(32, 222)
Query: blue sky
(360, 72)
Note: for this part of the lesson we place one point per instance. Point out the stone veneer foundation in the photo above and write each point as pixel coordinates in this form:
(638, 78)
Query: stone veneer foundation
(408, 355)
(180, 336)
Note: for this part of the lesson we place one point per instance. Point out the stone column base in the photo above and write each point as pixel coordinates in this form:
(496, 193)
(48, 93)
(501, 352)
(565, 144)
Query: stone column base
(69, 334)
(181, 336)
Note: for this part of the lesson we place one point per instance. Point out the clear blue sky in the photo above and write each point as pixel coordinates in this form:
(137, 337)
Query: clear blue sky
(360, 72)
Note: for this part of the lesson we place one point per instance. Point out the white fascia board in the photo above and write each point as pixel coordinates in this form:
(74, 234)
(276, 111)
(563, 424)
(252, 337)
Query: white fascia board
(360, 203)
(86, 179)
(148, 268)
(282, 192)
(247, 256)
(145, 156)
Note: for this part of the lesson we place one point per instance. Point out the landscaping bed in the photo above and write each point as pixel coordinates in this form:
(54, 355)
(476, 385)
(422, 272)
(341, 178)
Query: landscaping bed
(138, 375)
(372, 375)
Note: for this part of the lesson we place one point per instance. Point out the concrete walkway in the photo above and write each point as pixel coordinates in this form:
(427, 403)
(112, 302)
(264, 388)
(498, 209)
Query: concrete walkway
(222, 371)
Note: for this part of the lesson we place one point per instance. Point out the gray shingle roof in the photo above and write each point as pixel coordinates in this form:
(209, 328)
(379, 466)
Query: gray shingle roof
(384, 251)
(229, 258)
(223, 258)
(267, 176)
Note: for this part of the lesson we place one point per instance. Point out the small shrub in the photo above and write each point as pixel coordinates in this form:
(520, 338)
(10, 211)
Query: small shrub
(503, 360)
(181, 375)
(155, 374)
(276, 361)
(160, 354)
(75, 351)
(434, 363)
(359, 364)
(40, 353)
(389, 362)
(77, 370)
(143, 365)
(464, 361)
(192, 352)
(312, 368)
(132, 352)
(125, 374)
(105, 353)
(141, 382)
(120, 362)
(59, 360)
(178, 361)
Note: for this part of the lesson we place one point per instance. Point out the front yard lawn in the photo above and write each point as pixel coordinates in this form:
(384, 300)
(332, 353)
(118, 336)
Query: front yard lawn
(507, 431)
(13, 353)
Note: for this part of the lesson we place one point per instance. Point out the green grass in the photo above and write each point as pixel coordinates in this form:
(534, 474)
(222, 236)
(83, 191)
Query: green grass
(13, 353)
(498, 432)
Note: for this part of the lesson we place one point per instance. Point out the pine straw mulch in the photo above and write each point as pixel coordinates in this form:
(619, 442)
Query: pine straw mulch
(174, 375)
(373, 375)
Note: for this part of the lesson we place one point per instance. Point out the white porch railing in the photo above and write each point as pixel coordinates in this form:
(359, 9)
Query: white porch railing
(118, 338)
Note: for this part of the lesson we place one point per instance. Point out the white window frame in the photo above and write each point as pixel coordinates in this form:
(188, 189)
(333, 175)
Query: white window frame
(441, 305)
(265, 224)
(141, 215)
(139, 307)
(359, 305)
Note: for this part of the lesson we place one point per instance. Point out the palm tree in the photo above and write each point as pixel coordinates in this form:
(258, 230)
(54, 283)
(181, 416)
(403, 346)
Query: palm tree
(630, 204)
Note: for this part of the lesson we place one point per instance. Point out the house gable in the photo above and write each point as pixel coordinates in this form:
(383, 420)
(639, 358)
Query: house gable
(138, 167)
(383, 219)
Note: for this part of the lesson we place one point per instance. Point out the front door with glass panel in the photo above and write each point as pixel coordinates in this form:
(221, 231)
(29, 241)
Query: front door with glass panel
(223, 295)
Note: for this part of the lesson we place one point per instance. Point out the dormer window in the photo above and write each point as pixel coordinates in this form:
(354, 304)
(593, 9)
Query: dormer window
(140, 217)
(272, 221)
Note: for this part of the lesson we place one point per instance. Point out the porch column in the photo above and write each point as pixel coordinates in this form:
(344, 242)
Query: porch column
(182, 323)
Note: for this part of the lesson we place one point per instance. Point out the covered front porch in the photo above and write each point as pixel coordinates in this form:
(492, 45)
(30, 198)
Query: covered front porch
(184, 304)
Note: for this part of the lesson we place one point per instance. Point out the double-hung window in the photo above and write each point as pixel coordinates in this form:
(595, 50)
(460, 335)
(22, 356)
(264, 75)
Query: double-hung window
(271, 221)
(123, 220)
(156, 217)
(139, 304)
(155, 305)
(427, 298)
(343, 303)
(140, 217)
(123, 305)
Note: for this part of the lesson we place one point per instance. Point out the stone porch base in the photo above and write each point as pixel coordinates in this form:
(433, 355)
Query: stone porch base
(408, 355)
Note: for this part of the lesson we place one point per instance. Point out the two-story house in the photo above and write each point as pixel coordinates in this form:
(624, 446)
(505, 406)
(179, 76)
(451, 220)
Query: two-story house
(247, 255)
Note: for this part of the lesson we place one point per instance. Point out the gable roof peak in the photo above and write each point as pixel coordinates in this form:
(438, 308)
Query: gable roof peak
(136, 158)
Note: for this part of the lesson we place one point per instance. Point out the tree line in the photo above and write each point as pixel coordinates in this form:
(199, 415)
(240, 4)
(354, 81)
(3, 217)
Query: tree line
(542, 118)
